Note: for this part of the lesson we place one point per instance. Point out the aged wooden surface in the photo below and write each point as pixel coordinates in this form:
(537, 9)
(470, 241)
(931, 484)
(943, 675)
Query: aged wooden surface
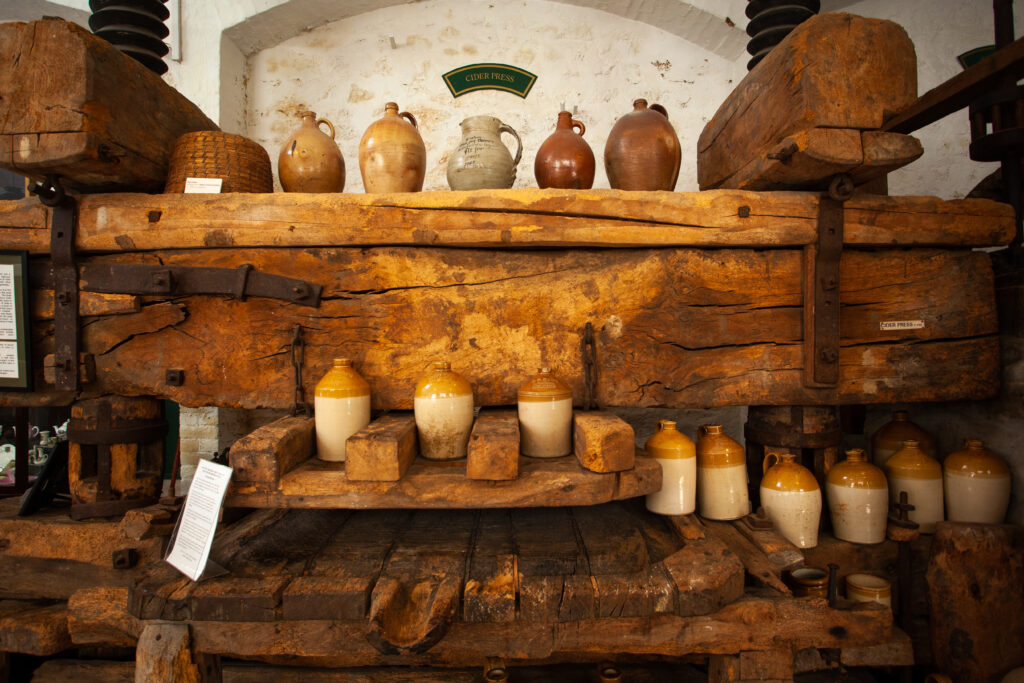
(975, 591)
(493, 450)
(767, 666)
(381, 451)
(74, 105)
(602, 441)
(795, 88)
(33, 627)
(504, 219)
(676, 328)
(164, 655)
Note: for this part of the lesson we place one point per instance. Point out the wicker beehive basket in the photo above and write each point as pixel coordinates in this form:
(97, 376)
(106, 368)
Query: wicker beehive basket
(243, 165)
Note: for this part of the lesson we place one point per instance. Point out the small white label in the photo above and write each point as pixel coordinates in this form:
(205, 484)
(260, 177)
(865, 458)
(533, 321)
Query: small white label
(902, 325)
(198, 521)
(203, 185)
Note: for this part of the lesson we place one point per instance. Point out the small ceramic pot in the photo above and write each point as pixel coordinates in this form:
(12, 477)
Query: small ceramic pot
(721, 475)
(791, 498)
(677, 455)
(310, 161)
(858, 499)
(868, 588)
(889, 438)
(443, 409)
(910, 469)
(977, 484)
(545, 416)
(341, 407)
(807, 582)
(392, 156)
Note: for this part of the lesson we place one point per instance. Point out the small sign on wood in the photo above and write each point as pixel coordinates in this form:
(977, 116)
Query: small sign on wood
(489, 77)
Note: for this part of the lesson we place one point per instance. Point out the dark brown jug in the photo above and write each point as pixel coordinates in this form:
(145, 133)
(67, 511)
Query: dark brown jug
(642, 151)
(565, 160)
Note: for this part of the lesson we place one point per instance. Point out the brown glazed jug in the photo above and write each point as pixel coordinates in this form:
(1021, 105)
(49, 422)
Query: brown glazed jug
(565, 160)
(392, 156)
(889, 438)
(310, 161)
(642, 151)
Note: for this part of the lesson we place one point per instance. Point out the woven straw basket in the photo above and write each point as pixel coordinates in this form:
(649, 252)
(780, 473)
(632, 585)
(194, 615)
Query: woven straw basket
(243, 165)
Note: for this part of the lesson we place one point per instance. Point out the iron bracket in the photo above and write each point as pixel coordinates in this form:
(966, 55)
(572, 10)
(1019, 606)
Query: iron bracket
(821, 297)
(135, 278)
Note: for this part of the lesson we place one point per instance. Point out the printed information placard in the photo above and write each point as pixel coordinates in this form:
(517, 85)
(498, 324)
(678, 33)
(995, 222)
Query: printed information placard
(198, 522)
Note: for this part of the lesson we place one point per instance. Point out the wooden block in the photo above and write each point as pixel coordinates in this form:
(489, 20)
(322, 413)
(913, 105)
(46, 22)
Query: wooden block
(327, 597)
(269, 452)
(99, 616)
(779, 551)
(84, 671)
(237, 599)
(885, 152)
(33, 628)
(756, 562)
(603, 442)
(164, 655)
(707, 575)
(383, 450)
(75, 106)
(794, 88)
(767, 666)
(493, 451)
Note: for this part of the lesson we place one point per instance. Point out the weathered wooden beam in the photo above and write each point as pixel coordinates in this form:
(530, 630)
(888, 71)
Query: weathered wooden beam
(501, 219)
(603, 442)
(795, 89)
(493, 450)
(165, 654)
(383, 450)
(76, 106)
(269, 452)
(33, 628)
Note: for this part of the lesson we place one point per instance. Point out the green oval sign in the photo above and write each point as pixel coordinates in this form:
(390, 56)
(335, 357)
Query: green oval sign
(489, 77)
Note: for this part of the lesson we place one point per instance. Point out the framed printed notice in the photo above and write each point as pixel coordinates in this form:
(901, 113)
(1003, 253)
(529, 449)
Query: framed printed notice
(15, 345)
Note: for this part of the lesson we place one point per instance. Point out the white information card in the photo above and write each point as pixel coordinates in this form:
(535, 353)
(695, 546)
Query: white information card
(198, 521)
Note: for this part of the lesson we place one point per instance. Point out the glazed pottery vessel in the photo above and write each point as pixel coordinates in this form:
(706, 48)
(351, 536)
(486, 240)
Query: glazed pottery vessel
(481, 159)
(677, 455)
(791, 498)
(310, 161)
(392, 156)
(443, 408)
(858, 499)
(565, 160)
(341, 407)
(868, 588)
(910, 469)
(642, 151)
(545, 416)
(890, 437)
(807, 582)
(977, 484)
(721, 475)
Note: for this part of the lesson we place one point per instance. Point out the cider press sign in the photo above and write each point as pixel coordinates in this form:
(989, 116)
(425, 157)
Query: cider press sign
(489, 77)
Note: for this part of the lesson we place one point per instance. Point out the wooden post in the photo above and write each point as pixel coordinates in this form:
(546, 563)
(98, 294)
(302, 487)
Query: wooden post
(164, 655)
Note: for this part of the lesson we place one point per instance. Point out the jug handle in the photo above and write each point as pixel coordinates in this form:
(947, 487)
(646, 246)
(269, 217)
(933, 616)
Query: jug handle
(505, 128)
(412, 119)
(765, 466)
(660, 109)
(579, 124)
(329, 125)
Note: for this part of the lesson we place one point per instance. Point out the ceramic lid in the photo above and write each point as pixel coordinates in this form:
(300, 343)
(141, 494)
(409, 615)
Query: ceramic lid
(788, 475)
(544, 386)
(974, 460)
(669, 443)
(856, 472)
(441, 382)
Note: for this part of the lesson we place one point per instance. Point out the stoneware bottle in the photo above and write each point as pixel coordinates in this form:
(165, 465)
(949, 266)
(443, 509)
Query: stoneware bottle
(564, 159)
(310, 161)
(392, 156)
(677, 455)
(482, 160)
(341, 407)
(443, 408)
(721, 475)
(977, 484)
(858, 499)
(910, 469)
(642, 151)
(791, 498)
(545, 416)
(890, 437)
(868, 588)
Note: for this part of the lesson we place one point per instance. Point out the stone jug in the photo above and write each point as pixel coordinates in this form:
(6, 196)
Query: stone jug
(977, 484)
(481, 160)
(677, 455)
(443, 410)
(565, 160)
(721, 475)
(910, 469)
(858, 499)
(341, 408)
(545, 416)
(889, 438)
(791, 498)
(392, 156)
(642, 151)
(310, 161)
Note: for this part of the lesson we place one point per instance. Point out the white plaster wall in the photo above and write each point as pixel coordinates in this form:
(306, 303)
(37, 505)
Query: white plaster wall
(590, 61)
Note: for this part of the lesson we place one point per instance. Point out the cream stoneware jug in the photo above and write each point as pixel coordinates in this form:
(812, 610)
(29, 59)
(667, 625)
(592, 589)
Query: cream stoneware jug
(791, 498)
(481, 160)
(341, 407)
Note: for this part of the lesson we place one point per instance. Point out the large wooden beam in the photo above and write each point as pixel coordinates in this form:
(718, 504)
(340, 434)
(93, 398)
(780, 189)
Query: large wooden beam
(76, 106)
(795, 89)
(502, 219)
